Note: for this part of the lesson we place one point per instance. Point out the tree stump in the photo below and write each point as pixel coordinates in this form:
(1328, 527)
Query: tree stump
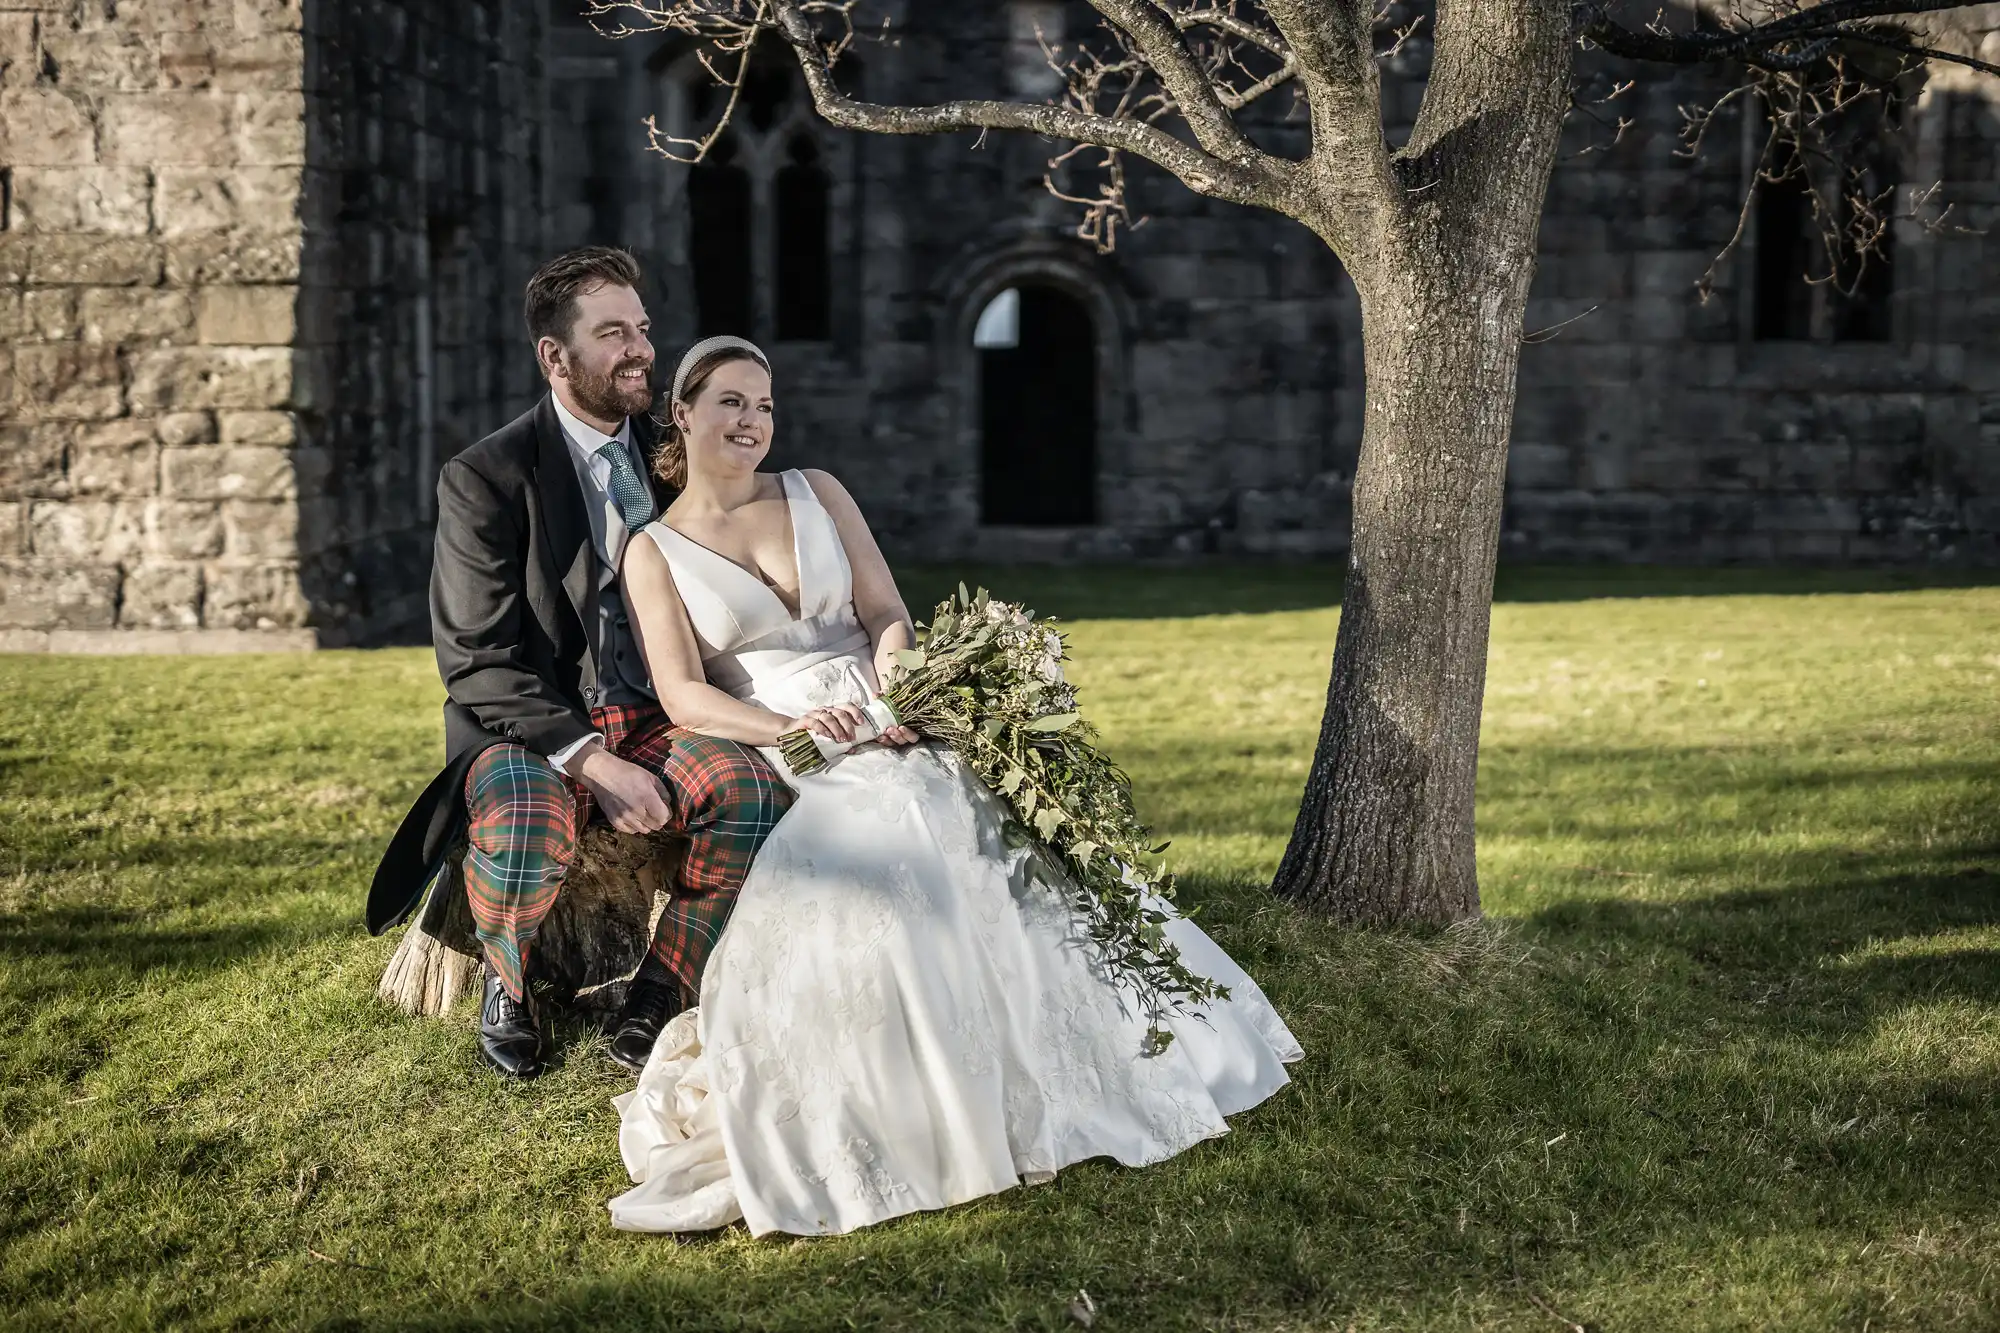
(588, 948)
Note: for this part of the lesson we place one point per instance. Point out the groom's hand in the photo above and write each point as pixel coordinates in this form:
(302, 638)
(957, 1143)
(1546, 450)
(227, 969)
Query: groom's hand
(631, 797)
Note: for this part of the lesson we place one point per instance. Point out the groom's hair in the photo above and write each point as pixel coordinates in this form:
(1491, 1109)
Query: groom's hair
(552, 292)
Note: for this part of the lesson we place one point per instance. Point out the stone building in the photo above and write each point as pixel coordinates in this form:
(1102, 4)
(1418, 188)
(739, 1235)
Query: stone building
(256, 279)
(260, 264)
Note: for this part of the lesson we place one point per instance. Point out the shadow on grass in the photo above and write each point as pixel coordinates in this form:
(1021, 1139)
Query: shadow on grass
(121, 942)
(1144, 592)
(1816, 960)
(1513, 771)
(1627, 798)
(1477, 1119)
(120, 908)
(1466, 1099)
(57, 952)
(57, 850)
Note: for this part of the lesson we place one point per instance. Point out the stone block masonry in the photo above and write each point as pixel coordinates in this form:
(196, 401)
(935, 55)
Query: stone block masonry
(423, 200)
(150, 250)
(258, 264)
(1651, 424)
(261, 264)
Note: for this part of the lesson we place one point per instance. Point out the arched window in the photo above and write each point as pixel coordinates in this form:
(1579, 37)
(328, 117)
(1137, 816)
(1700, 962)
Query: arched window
(804, 270)
(719, 207)
(1037, 350)
(768, 90)
(1802, 291)
(1784, 297)
(760, 211)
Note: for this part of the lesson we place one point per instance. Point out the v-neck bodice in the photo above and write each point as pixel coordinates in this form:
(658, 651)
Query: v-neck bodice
(700, 550)
(746, 633)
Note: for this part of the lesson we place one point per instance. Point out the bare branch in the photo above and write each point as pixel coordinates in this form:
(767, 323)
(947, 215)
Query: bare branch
(1186, 82)
(1237, 99)
(1581, 102)
(1618, 130)
(1234, 25)
(1254, 178)
(1104, 213)
(1554, 330)
(1695, 133)
(1877, 38)
(1830, 110)
(1402, 36)
(1244, 175)
(1754, 43)
(1222, 55)
(1938, 224)
(1696, 120)
(690, 151)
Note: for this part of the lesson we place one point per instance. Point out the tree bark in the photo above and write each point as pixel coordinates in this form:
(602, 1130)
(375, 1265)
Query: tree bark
(591, 943)
(1385, 829)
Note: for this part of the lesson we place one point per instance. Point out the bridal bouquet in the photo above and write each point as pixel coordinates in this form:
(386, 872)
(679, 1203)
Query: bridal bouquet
(986, 680)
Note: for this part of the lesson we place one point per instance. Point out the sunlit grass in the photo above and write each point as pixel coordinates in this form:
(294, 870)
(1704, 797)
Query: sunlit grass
(1727, 1054)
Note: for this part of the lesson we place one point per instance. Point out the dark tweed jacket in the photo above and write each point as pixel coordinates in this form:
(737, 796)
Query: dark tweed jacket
(514, 618)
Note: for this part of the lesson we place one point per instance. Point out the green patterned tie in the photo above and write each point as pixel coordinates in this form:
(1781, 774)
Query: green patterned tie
(635, 502)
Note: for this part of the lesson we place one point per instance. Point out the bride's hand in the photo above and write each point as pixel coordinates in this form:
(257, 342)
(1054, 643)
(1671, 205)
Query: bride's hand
(898, 734)
(836, 722)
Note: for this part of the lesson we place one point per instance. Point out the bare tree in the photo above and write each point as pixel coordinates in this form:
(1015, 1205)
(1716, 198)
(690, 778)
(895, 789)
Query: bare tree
(1439, 237)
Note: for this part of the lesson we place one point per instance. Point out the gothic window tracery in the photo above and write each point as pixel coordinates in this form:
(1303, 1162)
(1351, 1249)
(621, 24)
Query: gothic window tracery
(1806, 290)
(760, 211)
(720, 222)
(804, 273)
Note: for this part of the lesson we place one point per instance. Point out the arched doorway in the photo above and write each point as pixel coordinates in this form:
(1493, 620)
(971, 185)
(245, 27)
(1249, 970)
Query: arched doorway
(1037, 351)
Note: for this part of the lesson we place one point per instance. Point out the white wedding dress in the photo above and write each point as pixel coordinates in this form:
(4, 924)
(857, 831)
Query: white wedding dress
(898, 1017)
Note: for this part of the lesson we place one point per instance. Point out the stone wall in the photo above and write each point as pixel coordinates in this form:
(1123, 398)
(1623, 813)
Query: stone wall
(1659, 427)
(259, 277)
(260, 266)
(424, 201)
(1652, 425)
(149, 457)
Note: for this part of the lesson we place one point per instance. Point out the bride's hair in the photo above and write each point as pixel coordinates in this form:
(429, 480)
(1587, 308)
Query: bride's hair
(670, 462)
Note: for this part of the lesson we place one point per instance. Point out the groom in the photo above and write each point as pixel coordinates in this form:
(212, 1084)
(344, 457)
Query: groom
(551, 720)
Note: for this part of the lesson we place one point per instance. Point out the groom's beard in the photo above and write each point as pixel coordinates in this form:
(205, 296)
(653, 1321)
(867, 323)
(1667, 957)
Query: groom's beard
(606, 396)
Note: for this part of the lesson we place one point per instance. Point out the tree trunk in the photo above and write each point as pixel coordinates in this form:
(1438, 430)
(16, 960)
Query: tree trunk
(1385, 829)
(591, 943)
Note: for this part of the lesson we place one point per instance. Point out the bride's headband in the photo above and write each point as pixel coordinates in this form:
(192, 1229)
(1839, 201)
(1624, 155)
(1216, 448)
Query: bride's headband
(703, 348)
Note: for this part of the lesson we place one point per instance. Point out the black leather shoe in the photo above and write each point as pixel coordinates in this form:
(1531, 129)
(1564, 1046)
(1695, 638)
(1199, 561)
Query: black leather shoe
(650, 1006)
(509, 1038)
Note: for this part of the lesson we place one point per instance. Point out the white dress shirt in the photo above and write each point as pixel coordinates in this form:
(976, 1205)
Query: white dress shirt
(593, 473)
(607, 522)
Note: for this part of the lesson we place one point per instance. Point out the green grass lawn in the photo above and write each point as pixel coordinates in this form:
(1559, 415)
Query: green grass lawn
(1726, 1054)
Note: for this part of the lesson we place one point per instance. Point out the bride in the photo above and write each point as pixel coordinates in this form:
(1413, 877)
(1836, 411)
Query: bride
(898, 1015)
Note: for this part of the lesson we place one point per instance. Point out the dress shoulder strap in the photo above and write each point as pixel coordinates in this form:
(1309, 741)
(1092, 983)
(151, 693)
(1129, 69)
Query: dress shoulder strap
(716, 621)
(826, 583)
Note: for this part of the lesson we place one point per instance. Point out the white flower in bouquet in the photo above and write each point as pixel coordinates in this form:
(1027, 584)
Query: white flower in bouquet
(1050, 666)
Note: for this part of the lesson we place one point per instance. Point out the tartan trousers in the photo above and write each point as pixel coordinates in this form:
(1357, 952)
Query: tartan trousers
(523, 818)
